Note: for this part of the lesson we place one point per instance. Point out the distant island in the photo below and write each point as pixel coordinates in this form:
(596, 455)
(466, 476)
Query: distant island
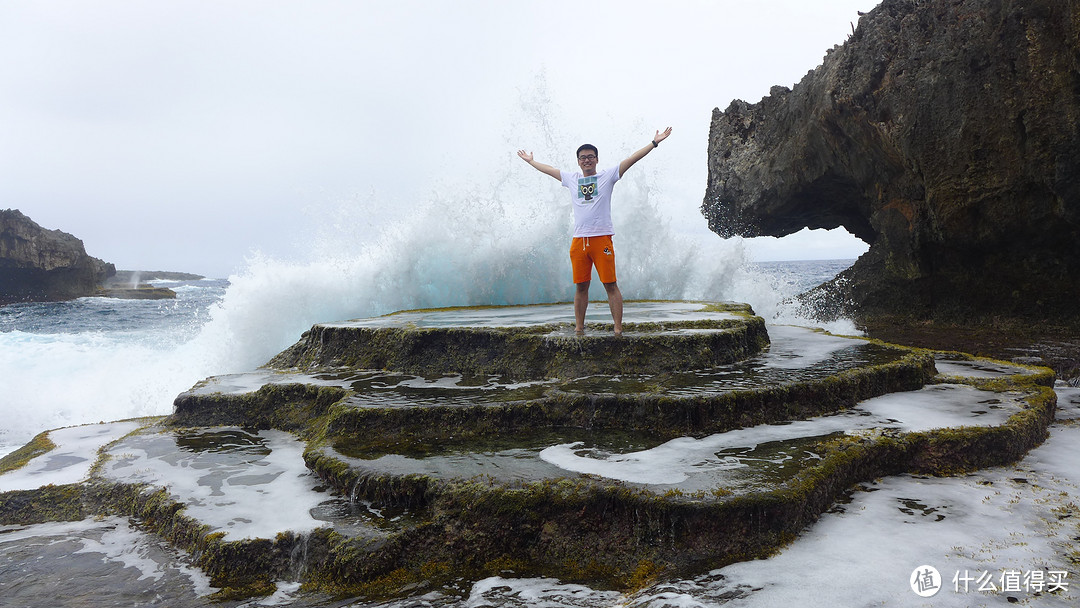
(132, 285)
(130, 277)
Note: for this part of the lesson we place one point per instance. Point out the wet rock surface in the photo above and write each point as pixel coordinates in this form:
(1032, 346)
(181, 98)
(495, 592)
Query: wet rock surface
(142, 292)
(667, 339)
(376, 482)
(1057, 348)
(944, 134)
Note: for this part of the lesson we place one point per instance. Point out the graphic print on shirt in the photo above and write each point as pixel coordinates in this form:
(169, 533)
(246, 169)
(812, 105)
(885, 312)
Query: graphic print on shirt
(586, 187)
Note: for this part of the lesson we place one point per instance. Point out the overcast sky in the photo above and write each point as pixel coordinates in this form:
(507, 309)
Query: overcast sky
(185, 135)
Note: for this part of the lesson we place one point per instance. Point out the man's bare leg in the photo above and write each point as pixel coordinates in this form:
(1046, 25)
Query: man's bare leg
(581, 304)
(614, 299)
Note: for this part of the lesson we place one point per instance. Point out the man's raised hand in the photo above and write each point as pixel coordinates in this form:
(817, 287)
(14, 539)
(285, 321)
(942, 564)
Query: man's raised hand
(541, 167)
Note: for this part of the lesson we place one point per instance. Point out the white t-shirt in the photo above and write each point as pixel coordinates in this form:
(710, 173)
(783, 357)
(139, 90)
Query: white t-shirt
(591, 198)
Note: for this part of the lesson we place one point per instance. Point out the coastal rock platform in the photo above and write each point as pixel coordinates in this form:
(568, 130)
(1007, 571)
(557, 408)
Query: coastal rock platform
(528, 343)
(382, 457)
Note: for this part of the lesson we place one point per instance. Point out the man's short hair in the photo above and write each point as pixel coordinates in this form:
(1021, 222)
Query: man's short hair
(587, 147)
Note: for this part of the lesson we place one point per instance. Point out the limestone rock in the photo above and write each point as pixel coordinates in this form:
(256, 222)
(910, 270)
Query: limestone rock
(144, 291)
(44, 265)
(132, 278)
(944, 133)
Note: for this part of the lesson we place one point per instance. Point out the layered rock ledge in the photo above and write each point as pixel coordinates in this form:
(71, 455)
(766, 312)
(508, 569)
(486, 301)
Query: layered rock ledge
(944, 133)
(450, 341)
(439, 476)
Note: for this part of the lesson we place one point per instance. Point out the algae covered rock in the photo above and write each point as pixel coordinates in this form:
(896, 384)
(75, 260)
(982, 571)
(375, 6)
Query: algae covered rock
(412, 342)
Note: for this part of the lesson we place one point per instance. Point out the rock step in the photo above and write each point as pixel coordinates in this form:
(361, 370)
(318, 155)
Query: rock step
(295, 406)
(206, 491)
(486, 500)
(686, 336)
(733, 462)
(794, 355)
(804, 373)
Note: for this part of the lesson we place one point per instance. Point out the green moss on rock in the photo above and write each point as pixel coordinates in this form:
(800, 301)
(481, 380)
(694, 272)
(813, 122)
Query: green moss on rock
(49, 503)
(288, 407)
(630, 535)
(397, 428)
(527, 352)
(40, 444)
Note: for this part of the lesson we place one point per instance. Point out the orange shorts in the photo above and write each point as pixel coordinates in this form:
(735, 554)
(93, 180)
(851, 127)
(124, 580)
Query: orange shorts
(587, 251)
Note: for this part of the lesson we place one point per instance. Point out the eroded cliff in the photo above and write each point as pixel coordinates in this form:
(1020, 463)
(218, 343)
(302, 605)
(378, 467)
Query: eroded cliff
(944, 134)
(44, 265)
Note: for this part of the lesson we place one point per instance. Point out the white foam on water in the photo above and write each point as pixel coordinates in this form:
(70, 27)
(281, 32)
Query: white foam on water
(285, 594)
(940, 406)
(120, 544)
(243, 494)
(1068, 404)
(70, 461)
(794, 347)
(987, 522)
(935, 406)
(16, 533)
(55, 380)
(116, 541)
(978, 368)
(536, 592)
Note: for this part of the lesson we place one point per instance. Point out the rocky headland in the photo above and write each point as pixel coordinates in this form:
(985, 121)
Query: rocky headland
(40, 265)
(945, 135)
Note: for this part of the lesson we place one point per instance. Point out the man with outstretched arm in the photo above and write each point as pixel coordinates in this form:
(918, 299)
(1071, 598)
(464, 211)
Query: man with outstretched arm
(590, 195)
